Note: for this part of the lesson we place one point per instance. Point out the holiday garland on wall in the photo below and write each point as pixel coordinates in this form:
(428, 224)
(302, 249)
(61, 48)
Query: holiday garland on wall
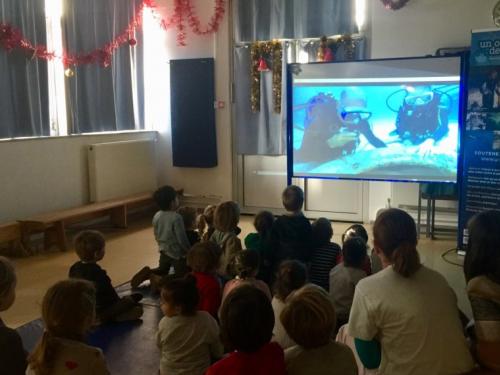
(260, 53)
(184, 12)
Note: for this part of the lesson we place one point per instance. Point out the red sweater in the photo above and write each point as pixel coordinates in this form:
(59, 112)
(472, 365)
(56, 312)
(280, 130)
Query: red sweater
(268, 360)
(210, 292)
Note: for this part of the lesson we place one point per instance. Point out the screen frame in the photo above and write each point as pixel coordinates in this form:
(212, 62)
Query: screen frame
(461, 118)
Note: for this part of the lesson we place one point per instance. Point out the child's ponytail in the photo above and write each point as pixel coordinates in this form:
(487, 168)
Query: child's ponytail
(42, 357)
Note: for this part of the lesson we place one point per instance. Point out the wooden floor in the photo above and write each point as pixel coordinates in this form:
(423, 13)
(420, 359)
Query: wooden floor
(128, 250)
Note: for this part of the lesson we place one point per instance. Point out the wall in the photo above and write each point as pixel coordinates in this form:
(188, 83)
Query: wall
(418, 29)
(44, 174)
(160, 48)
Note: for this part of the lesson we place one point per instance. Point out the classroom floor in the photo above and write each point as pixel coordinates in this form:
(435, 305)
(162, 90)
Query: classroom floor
(129, 250)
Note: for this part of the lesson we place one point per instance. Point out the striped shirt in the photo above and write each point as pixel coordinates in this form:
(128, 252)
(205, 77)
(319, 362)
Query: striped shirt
(323, 260)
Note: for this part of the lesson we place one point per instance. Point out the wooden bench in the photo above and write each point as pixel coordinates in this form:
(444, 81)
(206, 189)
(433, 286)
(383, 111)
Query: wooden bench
(11, 232)
(53, 224)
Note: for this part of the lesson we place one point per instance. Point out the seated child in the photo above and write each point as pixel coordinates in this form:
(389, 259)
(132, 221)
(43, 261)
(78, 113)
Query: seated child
(261, 242)
(247, 322)
(291, 235)
(292, 275)
(325, 253)
(205, 223)
(170, 235)
(246, 266)
(12, 354)
(188, 339)
(90, 248)
(189, 218)
(68, 311)
(357, 230)
(203, 259)
(345, 276)
(226, 218)
(309, 319)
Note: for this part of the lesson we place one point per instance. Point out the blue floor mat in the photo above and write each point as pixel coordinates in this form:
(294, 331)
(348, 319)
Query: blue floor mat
(129, 347)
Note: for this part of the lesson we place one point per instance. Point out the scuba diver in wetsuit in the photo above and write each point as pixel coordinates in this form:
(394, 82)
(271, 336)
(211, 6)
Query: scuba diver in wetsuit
(333, 127)
(422, 117)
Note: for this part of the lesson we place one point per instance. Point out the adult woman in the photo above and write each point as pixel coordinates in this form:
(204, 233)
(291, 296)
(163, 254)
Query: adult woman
(482, 272)
(406, 314)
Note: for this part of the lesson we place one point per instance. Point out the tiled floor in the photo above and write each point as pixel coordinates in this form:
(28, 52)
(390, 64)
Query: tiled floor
(129, 250)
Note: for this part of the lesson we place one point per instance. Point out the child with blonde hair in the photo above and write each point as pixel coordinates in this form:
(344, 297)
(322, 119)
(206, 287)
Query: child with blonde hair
(90, 248)
(12, 354)
(226, 218)
(188, 339)
(309, 319)
(68, 312)
(205, 222)
(246, 266)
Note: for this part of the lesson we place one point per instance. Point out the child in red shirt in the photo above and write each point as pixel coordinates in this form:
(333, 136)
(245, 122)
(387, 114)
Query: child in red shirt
(203, 259)
(247, 322)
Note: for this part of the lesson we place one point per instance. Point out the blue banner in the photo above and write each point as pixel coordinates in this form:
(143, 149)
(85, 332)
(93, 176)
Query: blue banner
(480, 187)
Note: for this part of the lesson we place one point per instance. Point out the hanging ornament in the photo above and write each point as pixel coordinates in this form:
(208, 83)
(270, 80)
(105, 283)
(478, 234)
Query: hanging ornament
(394, 4)
(263, 65)
(69, 72)
(325, 53)
(132, 42)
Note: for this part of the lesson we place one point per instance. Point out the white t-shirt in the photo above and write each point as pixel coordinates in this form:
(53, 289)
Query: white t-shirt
(188, 344)
(415, 319)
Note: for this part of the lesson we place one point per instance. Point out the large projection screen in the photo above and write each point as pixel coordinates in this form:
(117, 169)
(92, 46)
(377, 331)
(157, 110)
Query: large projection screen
(391, 120)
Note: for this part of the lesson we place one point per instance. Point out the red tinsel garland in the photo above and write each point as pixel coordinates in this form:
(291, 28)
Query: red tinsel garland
(184, 11)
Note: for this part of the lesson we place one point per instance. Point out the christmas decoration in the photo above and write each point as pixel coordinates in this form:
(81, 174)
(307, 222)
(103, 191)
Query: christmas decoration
(324, 52)
(263, 65)
(260, 52)
(69, 72)
(184, 11)
(394, 4)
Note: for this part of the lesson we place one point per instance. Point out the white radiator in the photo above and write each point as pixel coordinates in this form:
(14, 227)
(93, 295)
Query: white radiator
(120, 169)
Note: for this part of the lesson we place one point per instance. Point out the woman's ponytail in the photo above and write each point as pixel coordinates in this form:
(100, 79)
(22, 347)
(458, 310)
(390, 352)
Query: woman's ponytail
(406, 260)
(395, 233)
(40, 360)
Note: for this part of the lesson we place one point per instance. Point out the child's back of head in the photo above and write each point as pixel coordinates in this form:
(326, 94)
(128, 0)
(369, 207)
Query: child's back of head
(204, 257)
(181, 295)
(68, 311)
(355, 230)
(293, 198)
(354, 252)
(89, 245)
(247, 319)
(166, 198)
(322, 231)
(263, 223)
(7, 283)
(227, 216)
(309, 317)
(246, 264)
(291, 276)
